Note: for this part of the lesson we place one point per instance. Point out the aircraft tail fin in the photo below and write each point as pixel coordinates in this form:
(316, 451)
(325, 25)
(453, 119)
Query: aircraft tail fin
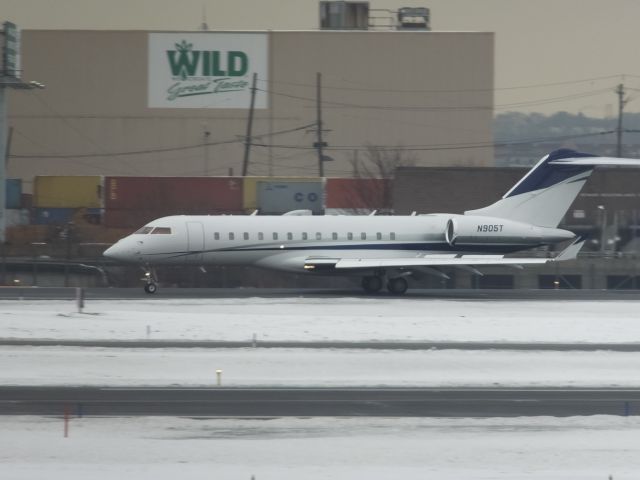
(545, 193)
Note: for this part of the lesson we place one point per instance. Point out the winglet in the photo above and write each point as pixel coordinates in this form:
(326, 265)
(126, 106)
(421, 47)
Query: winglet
(571, 252)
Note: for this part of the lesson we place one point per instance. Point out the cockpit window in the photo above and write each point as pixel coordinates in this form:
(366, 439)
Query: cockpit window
(161, 231)
(143, 231)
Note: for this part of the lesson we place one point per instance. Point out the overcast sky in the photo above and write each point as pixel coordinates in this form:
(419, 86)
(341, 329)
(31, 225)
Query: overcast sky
(538, 42)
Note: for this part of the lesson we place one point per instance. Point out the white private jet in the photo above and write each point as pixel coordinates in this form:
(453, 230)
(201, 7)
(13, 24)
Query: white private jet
(383, 250)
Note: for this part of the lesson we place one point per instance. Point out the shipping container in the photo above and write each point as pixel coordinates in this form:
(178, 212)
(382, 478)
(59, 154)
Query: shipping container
(67, 192)
(26, 200)
(16, 217)
(250, 188)
(358, 193)
(13, 193)
(179, 195)
(133, 201)
(276, 198)
(62, 216)
(52, 216)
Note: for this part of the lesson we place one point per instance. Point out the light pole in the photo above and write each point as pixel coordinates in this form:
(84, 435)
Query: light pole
(9, 78)
(603, 228)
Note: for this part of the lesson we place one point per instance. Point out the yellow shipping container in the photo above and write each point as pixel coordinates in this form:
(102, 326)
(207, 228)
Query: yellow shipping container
(68, 191)
(250, 188)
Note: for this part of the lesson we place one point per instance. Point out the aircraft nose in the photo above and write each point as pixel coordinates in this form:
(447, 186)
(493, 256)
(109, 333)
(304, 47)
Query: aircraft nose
(115, 252)
(110, 252)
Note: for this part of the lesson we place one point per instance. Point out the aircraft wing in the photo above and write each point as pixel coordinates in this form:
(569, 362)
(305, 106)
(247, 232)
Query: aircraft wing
(438, 260)
(423, 261)
(433, 262)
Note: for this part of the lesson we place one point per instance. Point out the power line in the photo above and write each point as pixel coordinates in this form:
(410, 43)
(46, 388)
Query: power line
(66, 121)
(329, 103)
(161, 150)
(458, 146)
(460, 90)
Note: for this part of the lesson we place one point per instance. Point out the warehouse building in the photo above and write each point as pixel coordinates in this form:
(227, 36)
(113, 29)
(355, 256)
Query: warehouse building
(138, 103)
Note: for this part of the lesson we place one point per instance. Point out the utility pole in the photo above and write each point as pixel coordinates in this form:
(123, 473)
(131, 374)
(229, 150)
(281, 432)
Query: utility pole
(621, 103)
(247, 138)
(320, 144)
(205, 151)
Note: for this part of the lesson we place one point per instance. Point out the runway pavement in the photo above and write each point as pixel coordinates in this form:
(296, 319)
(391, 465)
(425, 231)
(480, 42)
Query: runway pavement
(62, 293)
(349, 345)
(302, 402)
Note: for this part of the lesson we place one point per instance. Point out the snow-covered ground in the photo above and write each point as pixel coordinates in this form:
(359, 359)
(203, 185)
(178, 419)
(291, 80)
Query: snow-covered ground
(537, 448)
(305, 367)
(303, 319)
(317, 319)
(542, 448)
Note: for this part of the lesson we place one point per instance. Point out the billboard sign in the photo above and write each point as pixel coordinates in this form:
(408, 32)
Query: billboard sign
(206, 70)
(11, 51)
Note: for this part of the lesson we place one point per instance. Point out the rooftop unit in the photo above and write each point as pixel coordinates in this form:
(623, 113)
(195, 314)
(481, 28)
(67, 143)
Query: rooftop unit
(413, 18)
(340, 15)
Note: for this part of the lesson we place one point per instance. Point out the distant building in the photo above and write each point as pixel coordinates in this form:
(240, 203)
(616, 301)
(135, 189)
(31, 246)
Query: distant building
(177, 103)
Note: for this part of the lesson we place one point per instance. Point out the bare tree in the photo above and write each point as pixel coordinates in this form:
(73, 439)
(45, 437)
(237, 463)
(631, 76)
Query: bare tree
(376, 172)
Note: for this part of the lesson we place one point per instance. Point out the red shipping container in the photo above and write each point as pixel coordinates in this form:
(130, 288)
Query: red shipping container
(134, 201)
(362, 193)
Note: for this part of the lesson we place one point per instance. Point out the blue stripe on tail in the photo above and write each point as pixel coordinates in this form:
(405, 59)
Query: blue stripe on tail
(545, 175)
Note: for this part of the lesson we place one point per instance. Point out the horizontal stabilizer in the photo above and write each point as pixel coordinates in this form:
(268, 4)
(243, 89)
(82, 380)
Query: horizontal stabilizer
(571, 252)
(598, 162)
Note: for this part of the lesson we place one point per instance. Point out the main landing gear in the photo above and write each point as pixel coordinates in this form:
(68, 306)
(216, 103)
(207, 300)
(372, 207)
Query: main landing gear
(397, 286)
(374, 283)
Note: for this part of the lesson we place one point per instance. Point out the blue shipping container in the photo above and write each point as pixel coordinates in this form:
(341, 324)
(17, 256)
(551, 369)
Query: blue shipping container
(62, 216)
(52, 216)
(13, 193)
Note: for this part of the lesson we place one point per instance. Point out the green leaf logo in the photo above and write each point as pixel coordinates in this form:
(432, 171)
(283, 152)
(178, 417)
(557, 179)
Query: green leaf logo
(184, 46)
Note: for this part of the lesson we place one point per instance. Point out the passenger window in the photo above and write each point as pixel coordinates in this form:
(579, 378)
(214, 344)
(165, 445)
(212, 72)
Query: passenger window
(275, 235)
(260, 236)
(378, 236)
(334, 236)
(349, 236)
(305, 236)
(216, 236)
(318, 236)
(363, 236)
(231, 236)
(289, 236)
(392, 235)
(246, 236)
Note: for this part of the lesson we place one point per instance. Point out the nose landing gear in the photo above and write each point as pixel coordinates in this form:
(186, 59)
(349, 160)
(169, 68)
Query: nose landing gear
(151, 282)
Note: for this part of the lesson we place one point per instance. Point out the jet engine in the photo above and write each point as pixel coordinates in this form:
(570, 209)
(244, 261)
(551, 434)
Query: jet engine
(477, 230)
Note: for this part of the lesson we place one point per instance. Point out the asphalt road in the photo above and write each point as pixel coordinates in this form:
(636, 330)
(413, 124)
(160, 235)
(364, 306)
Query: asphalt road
(61, 293)
(302, 402)
(349, 345)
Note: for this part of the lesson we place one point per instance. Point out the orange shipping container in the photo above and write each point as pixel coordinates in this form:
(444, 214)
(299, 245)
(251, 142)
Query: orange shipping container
(358, 193)
(134, 201)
